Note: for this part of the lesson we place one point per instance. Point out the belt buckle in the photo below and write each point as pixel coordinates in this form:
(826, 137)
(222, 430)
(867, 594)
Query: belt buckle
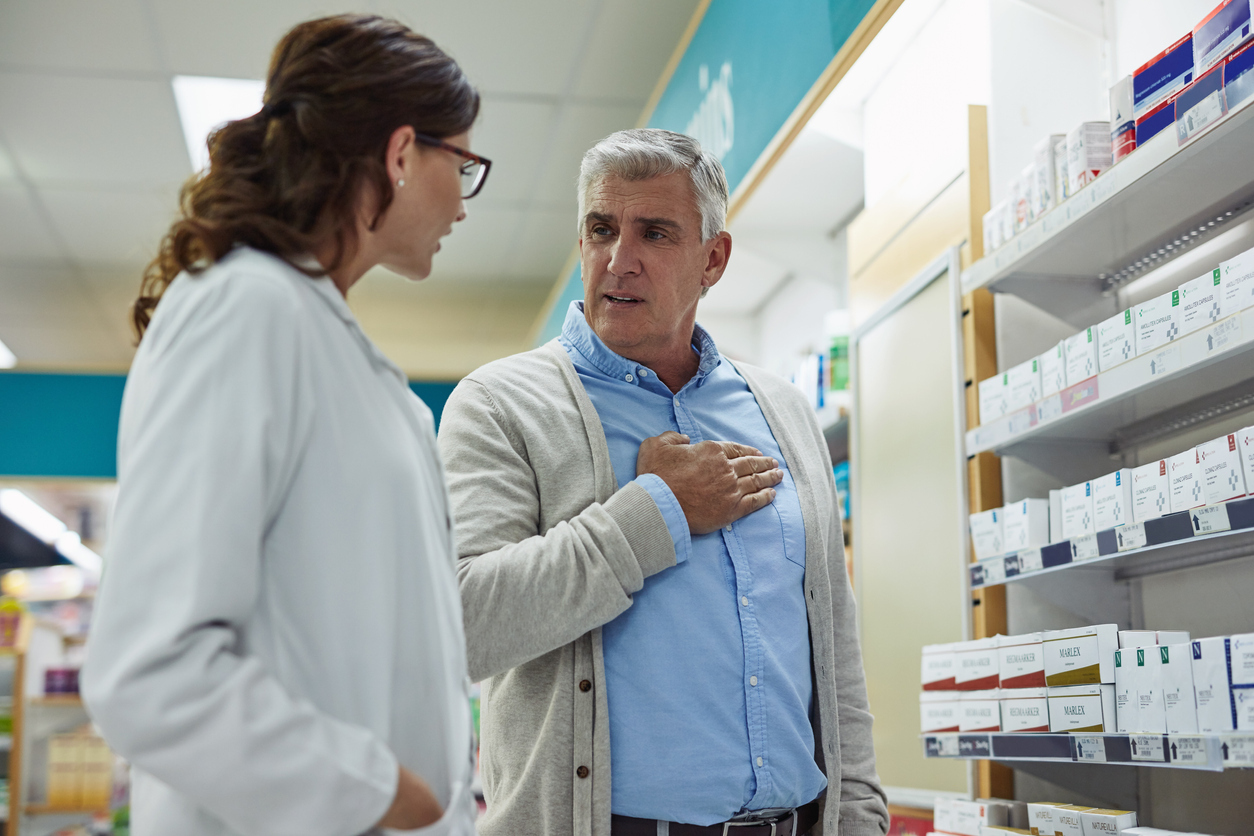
(773, 821)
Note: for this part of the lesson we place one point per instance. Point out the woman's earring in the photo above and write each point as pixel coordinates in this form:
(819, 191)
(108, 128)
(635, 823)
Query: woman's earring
(400, 183)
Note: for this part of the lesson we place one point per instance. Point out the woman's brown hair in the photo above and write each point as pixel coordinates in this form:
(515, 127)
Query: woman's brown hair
(337, 89)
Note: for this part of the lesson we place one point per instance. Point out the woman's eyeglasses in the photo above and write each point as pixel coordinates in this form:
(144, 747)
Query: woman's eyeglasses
(474, 170)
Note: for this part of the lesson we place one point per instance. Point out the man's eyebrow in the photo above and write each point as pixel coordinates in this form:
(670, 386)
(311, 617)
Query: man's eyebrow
(667, 222)
(596, 217)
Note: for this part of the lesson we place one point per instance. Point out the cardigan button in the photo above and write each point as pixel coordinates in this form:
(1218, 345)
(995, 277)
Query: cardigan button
(582, 772)
(585, 686)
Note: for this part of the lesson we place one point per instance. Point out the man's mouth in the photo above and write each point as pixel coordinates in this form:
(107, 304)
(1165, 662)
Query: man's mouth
(621, 299)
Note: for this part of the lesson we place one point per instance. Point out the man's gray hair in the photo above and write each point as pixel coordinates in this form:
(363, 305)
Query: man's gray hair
(645, 153)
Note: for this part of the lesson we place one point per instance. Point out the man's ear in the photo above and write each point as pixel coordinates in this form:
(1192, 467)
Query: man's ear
(718, 253)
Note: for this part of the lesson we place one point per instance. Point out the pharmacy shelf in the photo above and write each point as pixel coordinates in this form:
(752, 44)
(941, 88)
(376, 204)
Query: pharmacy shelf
(58, 701)
(1194, 374)
(51, 810)
(1210, 534)
(1154, 204)
(1206, 752)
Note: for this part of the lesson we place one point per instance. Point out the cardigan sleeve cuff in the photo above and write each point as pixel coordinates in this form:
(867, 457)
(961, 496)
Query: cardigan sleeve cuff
(644, 526)
(676, 522)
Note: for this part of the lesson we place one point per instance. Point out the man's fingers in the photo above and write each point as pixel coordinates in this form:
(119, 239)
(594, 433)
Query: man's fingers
(672, 437)
(747, 465)
(734, 451)
(755, 501)
(757, 481)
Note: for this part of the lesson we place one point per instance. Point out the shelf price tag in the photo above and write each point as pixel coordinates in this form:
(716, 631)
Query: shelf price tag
(1223, 335)
(1165, 361)
(974, 746)
(1049, 409)
(994, 571)
(1188, 751)
(1238, 749)
(1131, 536)
(1148, 747)
(1084, 548)
(941, 745)
(1030, 561)
(1090, 749)
(1209, 519)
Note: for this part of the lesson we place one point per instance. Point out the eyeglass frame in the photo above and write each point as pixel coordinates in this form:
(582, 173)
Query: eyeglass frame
(434, 142)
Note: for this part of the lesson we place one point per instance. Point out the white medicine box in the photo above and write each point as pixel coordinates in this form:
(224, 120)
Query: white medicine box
(1245, 448)
(1238, 283)
(1200, 301)
(1023, 385)
(1116, 340)
(1112, 499)
(1151, 491)
(1053, 371)
(1179, 704)
(1185, 472)
(1157, 322)
(1212, 685)
(993, 400)
(1222, 477)
(1089, 153)
(1026, 525)
(1080, 353)
(1077, 511)
(988, 533)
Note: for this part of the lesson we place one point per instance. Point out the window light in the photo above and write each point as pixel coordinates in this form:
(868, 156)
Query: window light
(206, 103)
(7, 358)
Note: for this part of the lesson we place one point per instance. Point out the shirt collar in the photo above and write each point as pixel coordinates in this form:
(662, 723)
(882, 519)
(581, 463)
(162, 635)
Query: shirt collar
(579, 334)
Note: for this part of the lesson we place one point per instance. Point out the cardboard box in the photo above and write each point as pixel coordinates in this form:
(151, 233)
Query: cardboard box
(1222, 475)
(1024, 710)
(1185, 472)
(1023, 385)
(1041, 818)
(1200, 301)
(969, 816)
(1077, 511)
(1112, 499)
(1080, 353)
(1044, 186)
(1021, 661)
(1179, 703)
(1106, 822)
(1151, 491)
(1157, 322)
(1200, 106)
(1116, 340)
(1122, 119)
(1173, 637)
(1238, 283)
(1241, 663)
(1081, 656)
(1212, 685)
(1025, 210)
(1002, 830)
(1219, 33)
(1025, 524)
(1155, 121)
(1062, 178)
(988, 534)
(1137, 638)
(939, 668)
(1067, 819)
(1238, 78)
(940, 711)
(1088, 153)
(976, 665)
(1126, 684)
(992, 229)
(1150, 712)
(1159, 79)
(1082, 708)
(1053, 366)
(993, 398)
(943, 815)
(1243, 706)
(1016, 813)
(1245, 448)
(1055, 517)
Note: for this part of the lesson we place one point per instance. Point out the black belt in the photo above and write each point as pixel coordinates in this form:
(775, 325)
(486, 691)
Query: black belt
(806, 816)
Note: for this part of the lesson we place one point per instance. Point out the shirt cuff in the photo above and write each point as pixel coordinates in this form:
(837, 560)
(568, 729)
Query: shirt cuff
(676, 522)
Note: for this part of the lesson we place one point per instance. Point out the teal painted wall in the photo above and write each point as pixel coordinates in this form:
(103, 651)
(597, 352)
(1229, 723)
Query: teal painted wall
(776, 51)
(66, 425)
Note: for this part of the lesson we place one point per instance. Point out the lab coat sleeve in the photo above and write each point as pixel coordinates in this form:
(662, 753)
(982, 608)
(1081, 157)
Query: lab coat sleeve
(214, 417)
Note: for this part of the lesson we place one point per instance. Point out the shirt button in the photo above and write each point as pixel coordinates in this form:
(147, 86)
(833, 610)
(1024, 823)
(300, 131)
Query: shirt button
(753, 680)
(744, 600)
(582, 771)
(759, 763)
(728, 528)
(628, 378)
(585, 686)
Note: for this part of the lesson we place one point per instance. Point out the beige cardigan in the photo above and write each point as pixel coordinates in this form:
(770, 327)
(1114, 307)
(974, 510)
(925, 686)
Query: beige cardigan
(550, 550)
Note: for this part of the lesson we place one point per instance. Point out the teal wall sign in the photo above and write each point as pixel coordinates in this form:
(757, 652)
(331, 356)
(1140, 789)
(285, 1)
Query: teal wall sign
(748, 66)
(66, 425)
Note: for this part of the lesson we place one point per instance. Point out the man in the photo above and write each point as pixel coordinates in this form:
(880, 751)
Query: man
(663, 621)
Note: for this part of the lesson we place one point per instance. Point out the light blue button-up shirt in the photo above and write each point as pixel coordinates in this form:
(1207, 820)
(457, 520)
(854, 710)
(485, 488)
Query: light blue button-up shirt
(708, 671)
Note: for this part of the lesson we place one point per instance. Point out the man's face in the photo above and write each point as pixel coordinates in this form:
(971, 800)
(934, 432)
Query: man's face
(644, 265)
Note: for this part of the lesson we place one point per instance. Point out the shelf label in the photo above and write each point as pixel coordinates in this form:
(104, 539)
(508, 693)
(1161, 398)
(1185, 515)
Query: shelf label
(1189, 751)
(1030, 561)
(1165, 361)
(994, 571)
(1131, 536)
(1148, 747)
(1084, 548)
(1238, 749)
(1049, 409)
(1223, 335)
(1201, 116)
(977, 575)
(1091, 749)
(1021, 421)
(1209, 519)
(941, 745)
(1083, 392)
(974, 746)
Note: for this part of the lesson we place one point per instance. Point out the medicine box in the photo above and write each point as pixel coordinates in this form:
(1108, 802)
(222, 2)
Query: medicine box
(1088, 153)
(1242, 659)
(1067, 820)
(988, 534)
(1082, 708)
(1173, 637)
(1024, 710)
(1185, 472)
(1238, 78)
(1238, 283)
(1081, 655)
(943, 816)
(1219, 33)
(1200, 105)
(1077, 511)
(1179, 703)
(1041, 818)
(1151, 491)
(1055, 517)
(1107, 822)
(1018, 204)
(1159, 79)
(1044, 184)
(1021, 661)
(1137, 638)
(992, 229)
(1212, 685)
(1243, 706)
(1023, 385)
(1062, 180)
(1026, 525)
(1116, 340)
(1126, 685)
(1150, 713)
(967, 817)
(1222, 477)
(1155, 122)
(939, 668)
(1157, 322)
(1122, 119)
(1025, 209)
(993, 400)
(939, 711)
(1200, 301)
(1245, 448)
(1053, 367)
(1112, 499)
(1080, 353)
(976, 665)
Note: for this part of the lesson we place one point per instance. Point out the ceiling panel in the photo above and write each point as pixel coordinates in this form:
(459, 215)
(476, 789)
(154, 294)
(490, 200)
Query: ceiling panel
(580, 126)
(100, 35)
(66, 346)
(24, 234)
(93, 130)
(624, 58)
(477, 246)
(35, 294)
(110, 225)
(544, 244)
(515, 136)
(7, 172)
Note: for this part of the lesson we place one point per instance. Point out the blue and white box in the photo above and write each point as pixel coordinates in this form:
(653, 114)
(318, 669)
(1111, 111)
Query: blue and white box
(988, 533)
(1201, 301)
(1200, 106)
(1238, 76)
(1077, 511)
(1159, 79)
(1026, 524)
(1112, 499)
(1219, 33)
(1212, 685)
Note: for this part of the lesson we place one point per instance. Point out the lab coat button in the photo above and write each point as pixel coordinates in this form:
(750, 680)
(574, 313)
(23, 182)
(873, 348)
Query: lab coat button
(582, 772)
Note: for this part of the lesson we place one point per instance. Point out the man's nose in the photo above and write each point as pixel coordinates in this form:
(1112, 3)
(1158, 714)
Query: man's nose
(624, 257)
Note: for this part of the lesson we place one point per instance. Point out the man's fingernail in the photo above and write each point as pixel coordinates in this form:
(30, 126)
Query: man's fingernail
(774, 463)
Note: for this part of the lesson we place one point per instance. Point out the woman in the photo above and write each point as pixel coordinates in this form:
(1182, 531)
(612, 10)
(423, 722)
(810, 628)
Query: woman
(278, 645)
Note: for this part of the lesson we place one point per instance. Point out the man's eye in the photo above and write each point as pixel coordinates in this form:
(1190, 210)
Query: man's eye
(654, 235)
(600, 230)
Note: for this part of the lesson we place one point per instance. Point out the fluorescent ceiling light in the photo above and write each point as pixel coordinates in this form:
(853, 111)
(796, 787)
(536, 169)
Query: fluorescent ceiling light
(7, 358)
(30, 515)
(205, 103)
(72, 549)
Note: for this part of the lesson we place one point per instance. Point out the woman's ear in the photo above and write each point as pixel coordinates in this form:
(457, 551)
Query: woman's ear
(396, 156)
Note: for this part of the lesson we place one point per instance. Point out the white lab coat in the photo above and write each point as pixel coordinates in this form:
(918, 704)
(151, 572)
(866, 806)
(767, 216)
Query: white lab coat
(279, 623)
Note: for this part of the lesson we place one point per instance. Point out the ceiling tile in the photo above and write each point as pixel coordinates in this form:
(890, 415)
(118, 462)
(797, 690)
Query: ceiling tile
(101, 35)
(544, 244)
(67, 346)
(478, 245)
(7, 172)
(629, 49)
(90, 130)
(110, 225)
(24, 234)
(515, 136)
(579, 128)
(44, 294)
